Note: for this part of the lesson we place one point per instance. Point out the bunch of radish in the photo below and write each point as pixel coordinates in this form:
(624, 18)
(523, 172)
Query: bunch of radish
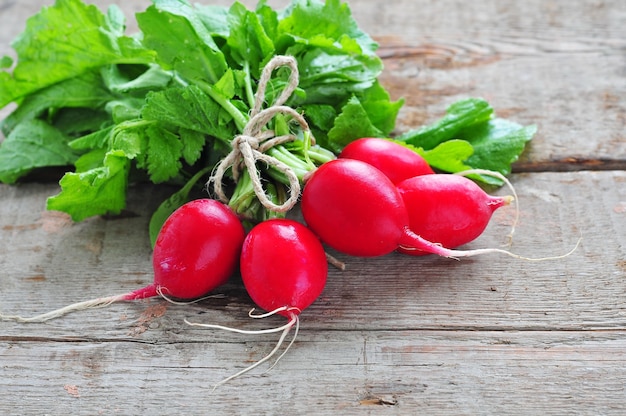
(377, 197)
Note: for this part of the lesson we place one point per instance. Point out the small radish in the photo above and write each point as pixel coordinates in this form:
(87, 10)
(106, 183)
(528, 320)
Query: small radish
(397, 162)
(196, 251)
(354, 208)
(283, 267)
(448, 209)
(283, 264)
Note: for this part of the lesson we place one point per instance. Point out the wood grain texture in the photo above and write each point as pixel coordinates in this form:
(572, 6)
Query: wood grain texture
(402, 335)
(350, 372)
(560, 65)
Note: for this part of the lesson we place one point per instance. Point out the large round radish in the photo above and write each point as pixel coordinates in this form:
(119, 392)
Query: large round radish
(196, 251)
(397, 162)
(283, 264)
(448, 209)
(354, 208)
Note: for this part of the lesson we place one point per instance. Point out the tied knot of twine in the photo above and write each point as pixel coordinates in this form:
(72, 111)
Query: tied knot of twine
(251, 145)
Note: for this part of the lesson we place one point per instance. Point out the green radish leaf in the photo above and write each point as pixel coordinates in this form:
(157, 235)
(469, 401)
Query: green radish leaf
(189, 108)
(193, 143)
(90, 160)
(469, 136)
(175, 30)
(99, 139)
(381, 111)
(135, 80)
(497, 144)
(326, 25)
(449, 156)
(86, 90)
(95, 191)
(352, 123)
(33, 144)
(325, 77)
(249, 45)
(163, 154)
(459, 115)
(64, 41)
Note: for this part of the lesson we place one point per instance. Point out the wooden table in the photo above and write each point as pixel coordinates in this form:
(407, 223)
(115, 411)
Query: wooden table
(392, 335)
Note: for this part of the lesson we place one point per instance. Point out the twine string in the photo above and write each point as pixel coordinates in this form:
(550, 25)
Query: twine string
(251, 145)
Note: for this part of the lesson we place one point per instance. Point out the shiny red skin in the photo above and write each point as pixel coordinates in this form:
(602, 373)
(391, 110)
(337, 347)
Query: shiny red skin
(394, 160)
(197, 249)
(451, 210)
(283, 264)
(354, 208)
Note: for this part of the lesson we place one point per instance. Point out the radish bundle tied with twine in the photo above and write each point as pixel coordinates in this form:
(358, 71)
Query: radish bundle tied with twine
(251, 146)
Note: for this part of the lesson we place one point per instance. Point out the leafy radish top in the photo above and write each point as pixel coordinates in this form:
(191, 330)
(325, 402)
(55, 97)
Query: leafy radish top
(169, 102)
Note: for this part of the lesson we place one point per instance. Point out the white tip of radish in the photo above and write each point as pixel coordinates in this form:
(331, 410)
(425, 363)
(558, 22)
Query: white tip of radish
(508, 199)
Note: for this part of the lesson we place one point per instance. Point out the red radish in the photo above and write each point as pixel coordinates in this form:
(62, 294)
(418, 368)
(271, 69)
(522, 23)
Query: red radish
(394, 160)
(448, 209)
(354, 208)
(196, 251)
(283, 267)
(283, 264)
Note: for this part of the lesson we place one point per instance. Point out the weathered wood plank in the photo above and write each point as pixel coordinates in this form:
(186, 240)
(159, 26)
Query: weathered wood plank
(351, 372)
(379, 334)
(554, 64)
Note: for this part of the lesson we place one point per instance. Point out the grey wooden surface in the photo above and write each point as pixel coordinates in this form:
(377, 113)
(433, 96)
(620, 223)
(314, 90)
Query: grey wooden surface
(393, 335)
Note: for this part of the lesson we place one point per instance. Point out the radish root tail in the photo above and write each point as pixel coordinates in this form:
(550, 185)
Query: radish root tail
(335, 262)
(79, 306)
(160, 291)
(456, 254)
(294, 322)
